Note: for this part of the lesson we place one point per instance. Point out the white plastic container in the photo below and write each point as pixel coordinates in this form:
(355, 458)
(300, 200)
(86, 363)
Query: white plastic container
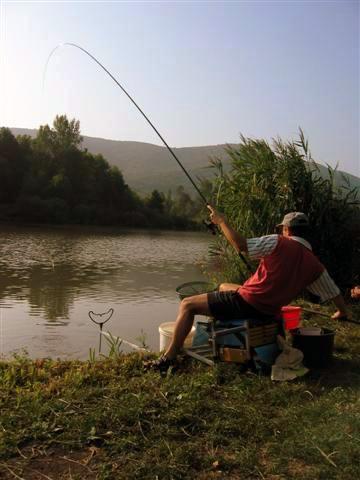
(166, 331)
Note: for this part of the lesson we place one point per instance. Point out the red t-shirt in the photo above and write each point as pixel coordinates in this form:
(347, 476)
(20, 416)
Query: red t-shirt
(281, 276)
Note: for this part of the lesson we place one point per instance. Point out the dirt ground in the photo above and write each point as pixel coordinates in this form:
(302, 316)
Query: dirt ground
(52, 464)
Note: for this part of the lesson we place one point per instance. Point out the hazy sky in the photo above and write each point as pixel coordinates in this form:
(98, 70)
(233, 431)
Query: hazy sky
(204, 72)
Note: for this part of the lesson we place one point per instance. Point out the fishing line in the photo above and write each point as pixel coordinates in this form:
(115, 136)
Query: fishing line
(208, 224)
(134, 103)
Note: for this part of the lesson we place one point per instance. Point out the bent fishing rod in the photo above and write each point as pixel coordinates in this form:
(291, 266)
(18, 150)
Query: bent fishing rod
(209, 225)
(136, 105)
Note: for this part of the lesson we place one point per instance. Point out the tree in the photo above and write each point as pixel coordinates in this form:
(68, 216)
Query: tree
(184, 205)
(51, 179)
(62, 137)
(12, 166)
(67, 133)
(9, 147)
(156, 201)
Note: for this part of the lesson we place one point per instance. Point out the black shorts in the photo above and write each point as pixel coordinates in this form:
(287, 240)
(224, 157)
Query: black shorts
(230, 305)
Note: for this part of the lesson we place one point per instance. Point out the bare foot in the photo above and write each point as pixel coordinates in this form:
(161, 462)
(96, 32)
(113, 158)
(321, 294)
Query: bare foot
(338, 315)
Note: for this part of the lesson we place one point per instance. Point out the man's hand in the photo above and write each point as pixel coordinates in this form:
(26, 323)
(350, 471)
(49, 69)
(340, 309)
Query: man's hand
(233, 237)
(215, 217)
(342, 312)
(355, 292)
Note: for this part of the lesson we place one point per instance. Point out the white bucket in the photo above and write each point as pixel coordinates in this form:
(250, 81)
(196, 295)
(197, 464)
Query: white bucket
(166, 331)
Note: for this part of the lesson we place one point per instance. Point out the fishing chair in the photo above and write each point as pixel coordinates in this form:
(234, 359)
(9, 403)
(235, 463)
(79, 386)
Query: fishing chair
(240, 341)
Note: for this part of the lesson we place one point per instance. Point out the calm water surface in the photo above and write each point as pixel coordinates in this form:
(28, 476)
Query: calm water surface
(51, 277)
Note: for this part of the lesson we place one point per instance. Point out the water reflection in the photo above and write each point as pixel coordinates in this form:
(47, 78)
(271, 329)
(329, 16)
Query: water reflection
(50, 277)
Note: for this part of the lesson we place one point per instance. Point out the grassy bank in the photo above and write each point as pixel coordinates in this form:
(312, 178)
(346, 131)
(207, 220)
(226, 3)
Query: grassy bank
(107, 419)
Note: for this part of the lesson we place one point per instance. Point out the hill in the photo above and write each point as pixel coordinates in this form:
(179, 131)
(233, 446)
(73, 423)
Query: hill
(147, 167)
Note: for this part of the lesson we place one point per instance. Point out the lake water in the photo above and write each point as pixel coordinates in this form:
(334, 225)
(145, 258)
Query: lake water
(50, 278)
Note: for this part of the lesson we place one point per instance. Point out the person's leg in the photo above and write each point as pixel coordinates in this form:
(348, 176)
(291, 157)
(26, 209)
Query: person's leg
(189, 307)
(225, 287)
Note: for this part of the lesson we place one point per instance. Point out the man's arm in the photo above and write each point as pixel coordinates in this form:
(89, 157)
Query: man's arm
(233, 237)
(325, 288)
(341, 308)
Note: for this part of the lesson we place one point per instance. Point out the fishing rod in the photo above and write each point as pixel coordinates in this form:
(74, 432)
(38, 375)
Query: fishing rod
(136, 105)
(211, 226)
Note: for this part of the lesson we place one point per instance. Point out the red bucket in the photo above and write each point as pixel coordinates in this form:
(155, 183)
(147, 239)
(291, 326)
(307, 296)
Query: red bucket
(291, 316)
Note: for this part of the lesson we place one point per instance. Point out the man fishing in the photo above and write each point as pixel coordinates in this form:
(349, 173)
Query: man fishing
(287, 266)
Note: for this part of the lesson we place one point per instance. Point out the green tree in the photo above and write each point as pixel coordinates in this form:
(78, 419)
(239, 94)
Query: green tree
(63, 136)
(51, 179)
(156, 201)
(67, 132)
(12, 166)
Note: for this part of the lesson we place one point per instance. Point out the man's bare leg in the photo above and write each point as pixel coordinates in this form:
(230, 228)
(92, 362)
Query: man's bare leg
(189, 307)
(225, 287)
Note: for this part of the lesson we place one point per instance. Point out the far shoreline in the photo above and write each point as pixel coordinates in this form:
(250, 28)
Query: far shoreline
(97, 228)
